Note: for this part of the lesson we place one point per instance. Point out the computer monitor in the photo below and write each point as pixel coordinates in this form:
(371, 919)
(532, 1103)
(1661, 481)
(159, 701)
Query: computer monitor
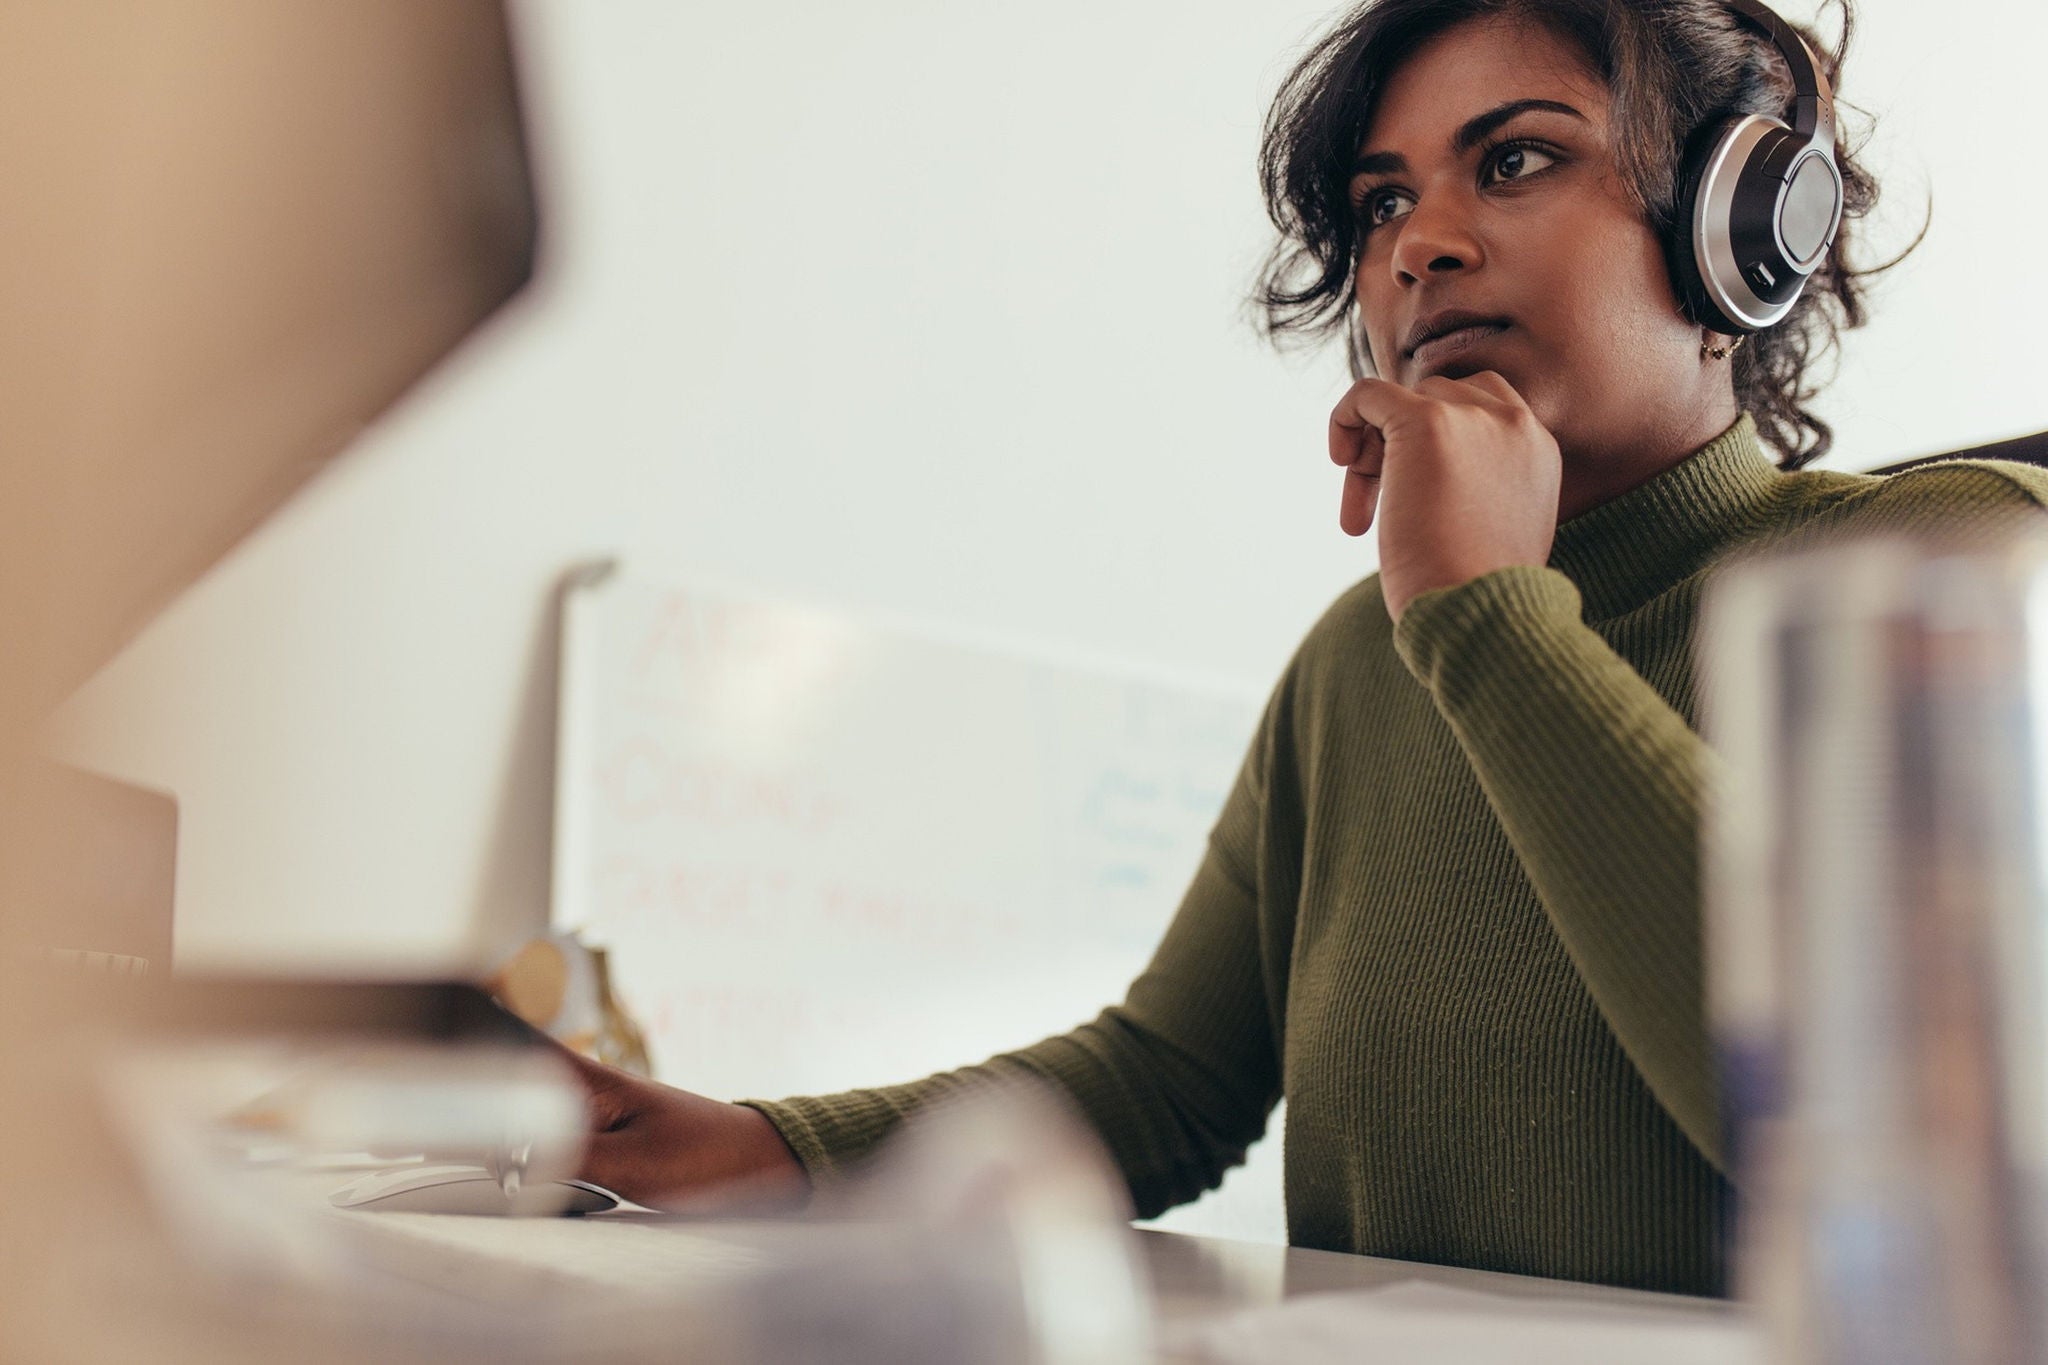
(100, 890)
(232, 232)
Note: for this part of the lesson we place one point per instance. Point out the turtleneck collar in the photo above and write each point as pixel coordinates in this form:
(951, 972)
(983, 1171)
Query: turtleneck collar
(1630, 548)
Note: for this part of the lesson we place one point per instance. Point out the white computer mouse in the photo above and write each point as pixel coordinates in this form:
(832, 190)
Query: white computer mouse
(468, 1189)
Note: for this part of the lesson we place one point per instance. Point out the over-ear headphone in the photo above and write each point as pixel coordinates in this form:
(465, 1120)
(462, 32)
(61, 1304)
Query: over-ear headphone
(1759, 201)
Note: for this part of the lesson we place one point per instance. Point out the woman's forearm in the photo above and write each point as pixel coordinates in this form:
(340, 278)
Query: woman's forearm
(1597, 781)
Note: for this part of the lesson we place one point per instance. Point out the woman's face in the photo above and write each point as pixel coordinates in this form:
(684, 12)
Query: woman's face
(1498, 234)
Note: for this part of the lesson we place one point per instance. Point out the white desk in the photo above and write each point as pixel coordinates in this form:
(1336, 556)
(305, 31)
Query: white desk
(612, 1260)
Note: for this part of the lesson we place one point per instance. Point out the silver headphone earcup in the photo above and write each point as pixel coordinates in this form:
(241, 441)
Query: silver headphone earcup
(1760, 199)
(1733, 214)
(1682, 246)
(1810, 211)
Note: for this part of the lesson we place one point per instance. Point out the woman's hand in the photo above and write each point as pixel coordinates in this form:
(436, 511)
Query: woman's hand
(1463, 478)
(664, 1147)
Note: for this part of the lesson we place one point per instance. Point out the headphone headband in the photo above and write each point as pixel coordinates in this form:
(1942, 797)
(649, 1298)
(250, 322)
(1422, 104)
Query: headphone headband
(1813, 102)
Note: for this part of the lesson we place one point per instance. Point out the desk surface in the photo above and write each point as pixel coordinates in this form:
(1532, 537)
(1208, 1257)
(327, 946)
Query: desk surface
(612, 1259)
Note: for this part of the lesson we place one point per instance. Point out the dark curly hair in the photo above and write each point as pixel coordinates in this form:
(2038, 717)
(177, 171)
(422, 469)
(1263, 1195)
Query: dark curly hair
(1672, 66)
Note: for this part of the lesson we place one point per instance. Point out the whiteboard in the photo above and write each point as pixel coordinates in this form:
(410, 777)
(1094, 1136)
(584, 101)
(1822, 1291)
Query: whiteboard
(826, 852)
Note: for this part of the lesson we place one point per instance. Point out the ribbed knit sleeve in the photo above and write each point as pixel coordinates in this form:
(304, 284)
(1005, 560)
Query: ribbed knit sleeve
(1597, 782)
(1178, 1080)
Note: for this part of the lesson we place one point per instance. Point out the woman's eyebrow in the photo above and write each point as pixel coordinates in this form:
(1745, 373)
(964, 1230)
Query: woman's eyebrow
(1470, 134)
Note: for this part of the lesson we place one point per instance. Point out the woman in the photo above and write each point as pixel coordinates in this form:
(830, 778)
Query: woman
(1451, 907)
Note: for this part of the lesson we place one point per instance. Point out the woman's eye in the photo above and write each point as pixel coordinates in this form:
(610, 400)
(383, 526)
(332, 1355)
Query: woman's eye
(1383, 206)
(1514, 162)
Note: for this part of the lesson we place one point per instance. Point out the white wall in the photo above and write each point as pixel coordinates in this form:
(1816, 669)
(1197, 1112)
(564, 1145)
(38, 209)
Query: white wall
(925, 307)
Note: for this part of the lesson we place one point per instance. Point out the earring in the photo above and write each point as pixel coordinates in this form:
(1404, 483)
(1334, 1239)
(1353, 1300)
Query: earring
(1719, 352)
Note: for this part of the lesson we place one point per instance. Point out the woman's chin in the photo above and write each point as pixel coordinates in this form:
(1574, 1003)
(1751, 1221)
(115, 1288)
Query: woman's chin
(1477, 360)
(1497, 352)
(1464, 367)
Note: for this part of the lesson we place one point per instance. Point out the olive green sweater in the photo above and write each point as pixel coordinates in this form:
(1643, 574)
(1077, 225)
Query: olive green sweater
(1451, 910)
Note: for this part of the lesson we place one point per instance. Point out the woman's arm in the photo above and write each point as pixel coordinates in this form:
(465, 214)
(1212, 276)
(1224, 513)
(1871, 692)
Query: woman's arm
(1177, 1080)
(1597, 782)
(1594, 777)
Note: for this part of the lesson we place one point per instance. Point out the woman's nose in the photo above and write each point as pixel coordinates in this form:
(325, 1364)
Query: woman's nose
(1436, 237)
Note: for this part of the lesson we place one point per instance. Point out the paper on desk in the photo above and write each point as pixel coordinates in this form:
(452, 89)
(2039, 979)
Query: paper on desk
(1419, 1321)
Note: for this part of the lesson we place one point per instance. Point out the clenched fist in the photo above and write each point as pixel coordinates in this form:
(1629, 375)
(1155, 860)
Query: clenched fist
(1458, 472)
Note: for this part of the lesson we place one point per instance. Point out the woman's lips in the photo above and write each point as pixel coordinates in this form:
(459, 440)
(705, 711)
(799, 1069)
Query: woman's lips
(1439, 349)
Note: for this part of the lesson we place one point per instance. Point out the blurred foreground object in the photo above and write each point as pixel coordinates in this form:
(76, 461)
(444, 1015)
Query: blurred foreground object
(1877, 932)
(97, 887)
(208, 1079)
(232, 232)
(993, 1231)
(162, 1127)
(1002, 1237)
